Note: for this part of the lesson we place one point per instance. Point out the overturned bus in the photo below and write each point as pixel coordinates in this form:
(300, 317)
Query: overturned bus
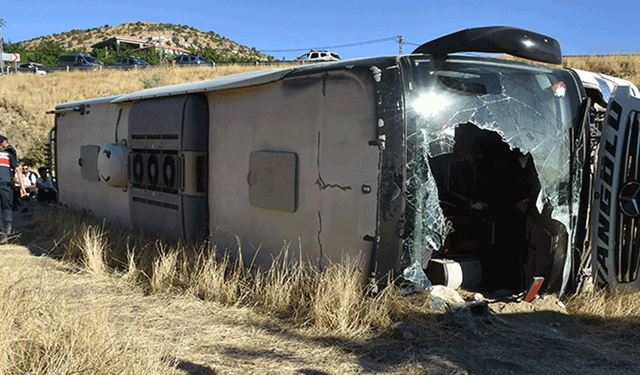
(480, 172)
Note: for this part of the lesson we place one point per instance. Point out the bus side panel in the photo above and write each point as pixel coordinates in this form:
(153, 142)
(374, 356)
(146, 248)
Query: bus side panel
(327, 121)
(78, 132)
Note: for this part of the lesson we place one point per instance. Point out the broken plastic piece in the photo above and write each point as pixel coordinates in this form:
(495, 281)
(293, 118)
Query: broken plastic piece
(535, 287)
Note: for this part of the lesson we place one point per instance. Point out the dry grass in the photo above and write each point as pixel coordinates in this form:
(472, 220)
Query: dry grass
(621, 66)
(333, 301)
(115, 302)
(619, 308)
(47, 327)
(92, 243)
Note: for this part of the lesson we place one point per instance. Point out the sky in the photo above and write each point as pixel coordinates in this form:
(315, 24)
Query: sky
(287, 29)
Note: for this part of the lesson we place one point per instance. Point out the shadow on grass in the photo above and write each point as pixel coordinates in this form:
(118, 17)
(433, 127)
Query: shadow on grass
(29, 234)
(543, 342)
(193, 368)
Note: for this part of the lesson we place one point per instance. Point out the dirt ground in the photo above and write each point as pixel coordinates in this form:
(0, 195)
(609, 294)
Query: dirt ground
(507, 337)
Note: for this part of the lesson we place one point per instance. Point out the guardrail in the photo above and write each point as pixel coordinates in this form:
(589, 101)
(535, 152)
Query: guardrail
(11, 70)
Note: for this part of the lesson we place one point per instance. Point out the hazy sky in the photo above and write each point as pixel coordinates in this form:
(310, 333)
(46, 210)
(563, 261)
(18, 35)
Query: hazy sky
(582, 27)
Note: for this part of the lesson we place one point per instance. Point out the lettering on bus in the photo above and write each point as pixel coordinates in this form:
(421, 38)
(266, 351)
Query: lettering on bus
(607, 172)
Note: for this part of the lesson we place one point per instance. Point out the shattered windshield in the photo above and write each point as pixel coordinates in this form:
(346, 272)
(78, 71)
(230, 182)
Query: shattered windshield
(486, 135)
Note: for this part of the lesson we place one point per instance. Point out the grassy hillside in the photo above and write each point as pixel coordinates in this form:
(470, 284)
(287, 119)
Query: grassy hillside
(181, 36)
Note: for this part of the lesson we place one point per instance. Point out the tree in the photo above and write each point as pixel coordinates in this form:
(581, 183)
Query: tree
(214, 56)
(14, 48)
(107, 56)
(151, 55)
(46, 53)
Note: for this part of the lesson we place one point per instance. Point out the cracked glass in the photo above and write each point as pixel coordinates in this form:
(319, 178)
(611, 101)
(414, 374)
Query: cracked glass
(486, 135)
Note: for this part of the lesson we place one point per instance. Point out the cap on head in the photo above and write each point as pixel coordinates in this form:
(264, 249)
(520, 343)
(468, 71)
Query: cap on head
(2, 139)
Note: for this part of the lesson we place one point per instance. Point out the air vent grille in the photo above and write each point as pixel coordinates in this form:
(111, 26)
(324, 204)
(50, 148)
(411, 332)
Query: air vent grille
(155, 136)
(627, 247)
(155, 170)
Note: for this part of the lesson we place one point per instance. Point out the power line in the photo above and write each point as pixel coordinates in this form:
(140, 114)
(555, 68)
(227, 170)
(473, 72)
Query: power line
(391, 38)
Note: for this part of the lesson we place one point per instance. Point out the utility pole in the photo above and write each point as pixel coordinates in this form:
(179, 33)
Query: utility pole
(160, 45)
(2, 23)
(400, 42)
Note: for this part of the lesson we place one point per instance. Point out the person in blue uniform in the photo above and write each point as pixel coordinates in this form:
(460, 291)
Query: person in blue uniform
(8, 167)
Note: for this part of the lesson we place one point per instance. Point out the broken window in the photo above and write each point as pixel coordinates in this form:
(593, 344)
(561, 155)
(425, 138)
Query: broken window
(489, 169)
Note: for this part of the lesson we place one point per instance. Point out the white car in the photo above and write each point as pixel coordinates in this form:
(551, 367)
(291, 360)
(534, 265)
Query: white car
(32, 67)
(315, 55)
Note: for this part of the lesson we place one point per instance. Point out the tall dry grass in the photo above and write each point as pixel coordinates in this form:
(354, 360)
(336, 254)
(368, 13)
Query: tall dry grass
(92, 243)
(45, 331)
(333, 301)
(621, 66)
(97, 319)
(619, 308)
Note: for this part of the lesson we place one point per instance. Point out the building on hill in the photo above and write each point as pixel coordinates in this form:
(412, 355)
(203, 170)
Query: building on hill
(117, 41)
(139, 45)
(165, 50)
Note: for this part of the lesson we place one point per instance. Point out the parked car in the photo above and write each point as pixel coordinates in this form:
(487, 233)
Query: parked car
(79, 61)
(315, 55)
(31, 67)
(129, 62)
(190, 60)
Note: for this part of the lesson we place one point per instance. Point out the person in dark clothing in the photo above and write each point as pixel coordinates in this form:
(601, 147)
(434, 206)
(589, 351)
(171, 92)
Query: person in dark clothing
(8, 167)
(46, 186)
(16, 185)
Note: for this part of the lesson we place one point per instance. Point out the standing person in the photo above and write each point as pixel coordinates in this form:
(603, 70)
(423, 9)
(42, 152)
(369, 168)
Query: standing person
(16, 184)
(8, 166)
